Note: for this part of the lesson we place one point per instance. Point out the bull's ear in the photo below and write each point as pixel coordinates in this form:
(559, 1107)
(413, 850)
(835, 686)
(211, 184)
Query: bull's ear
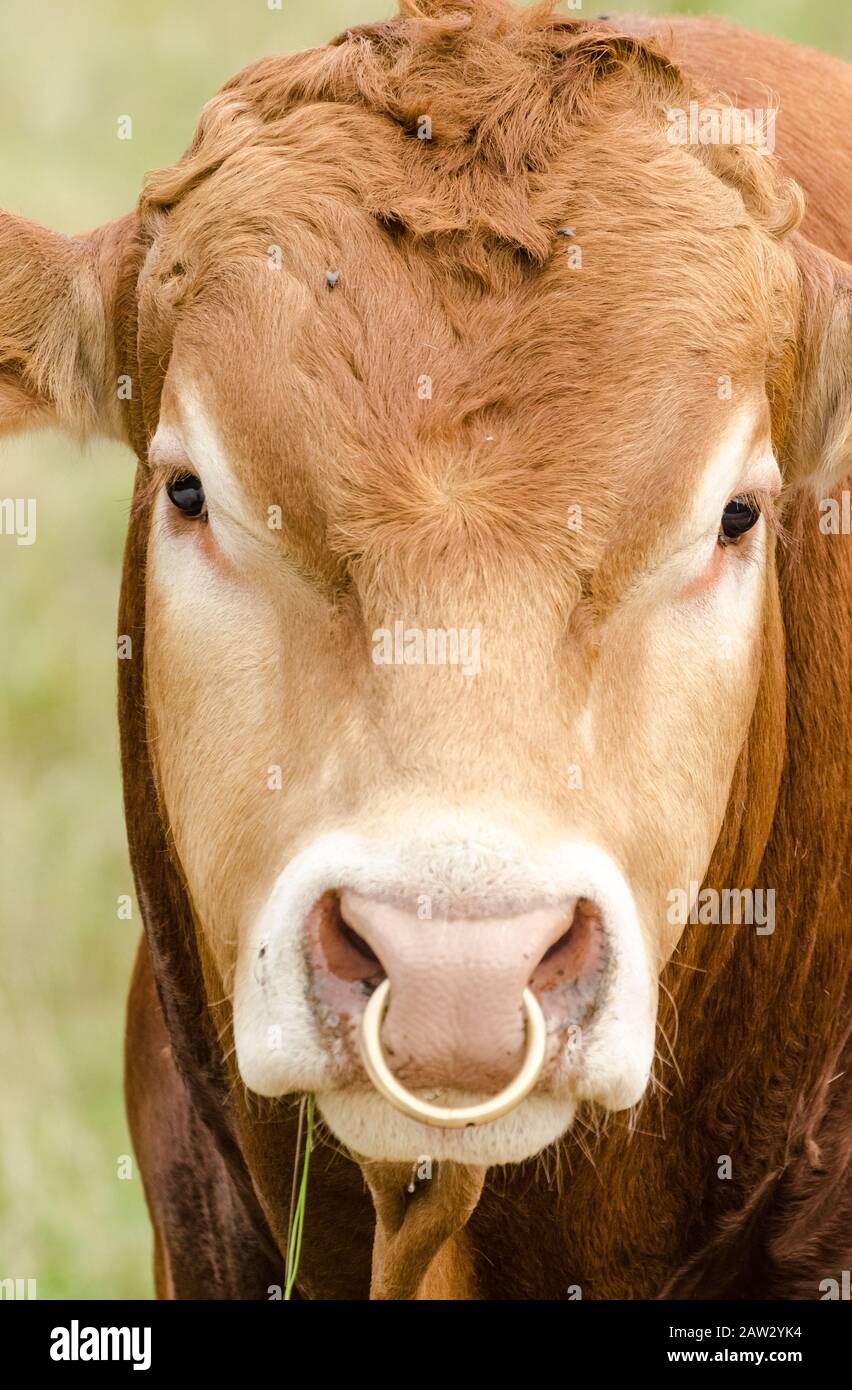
(818, 447)
(57, 335)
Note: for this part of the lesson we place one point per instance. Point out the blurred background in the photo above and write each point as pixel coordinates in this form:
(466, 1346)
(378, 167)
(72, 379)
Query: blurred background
(67, 74)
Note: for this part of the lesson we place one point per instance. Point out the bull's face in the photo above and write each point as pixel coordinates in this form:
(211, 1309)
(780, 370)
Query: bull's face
(455, 603)
(460, 584)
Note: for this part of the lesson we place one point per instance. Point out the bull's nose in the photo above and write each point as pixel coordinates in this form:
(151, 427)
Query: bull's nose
(455, 1015)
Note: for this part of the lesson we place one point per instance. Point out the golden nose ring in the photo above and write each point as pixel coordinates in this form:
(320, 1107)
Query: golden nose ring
(444, 1116)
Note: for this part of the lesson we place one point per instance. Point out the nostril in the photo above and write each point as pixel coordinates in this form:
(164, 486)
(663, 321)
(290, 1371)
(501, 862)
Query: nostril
(344, 952)
(575, 955)
(357, 943)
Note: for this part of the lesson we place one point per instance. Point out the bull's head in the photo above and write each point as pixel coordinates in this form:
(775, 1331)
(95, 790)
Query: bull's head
(462, 460)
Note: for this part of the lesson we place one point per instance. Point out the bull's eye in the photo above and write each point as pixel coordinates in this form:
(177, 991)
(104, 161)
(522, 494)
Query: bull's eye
(187, 494)
(740, 515)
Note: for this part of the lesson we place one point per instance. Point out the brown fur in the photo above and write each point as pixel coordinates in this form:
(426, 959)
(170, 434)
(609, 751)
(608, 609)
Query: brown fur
(759, 1030)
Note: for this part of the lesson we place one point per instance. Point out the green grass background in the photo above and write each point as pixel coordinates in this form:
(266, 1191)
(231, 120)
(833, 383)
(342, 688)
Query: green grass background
(67, 73)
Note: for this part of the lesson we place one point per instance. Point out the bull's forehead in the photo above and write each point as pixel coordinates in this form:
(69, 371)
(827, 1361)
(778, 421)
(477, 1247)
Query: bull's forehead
(378, 383)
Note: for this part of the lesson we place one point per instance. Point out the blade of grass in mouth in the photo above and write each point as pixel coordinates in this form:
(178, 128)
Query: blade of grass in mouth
(299, 1202)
